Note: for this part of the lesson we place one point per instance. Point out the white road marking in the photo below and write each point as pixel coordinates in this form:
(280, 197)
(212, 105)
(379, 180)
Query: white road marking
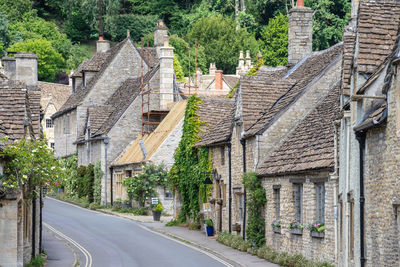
(154, 232)
(88, 256)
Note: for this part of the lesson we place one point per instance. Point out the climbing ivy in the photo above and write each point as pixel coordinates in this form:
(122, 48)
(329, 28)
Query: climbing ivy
(255, 203)
(192, 165)
(98, 175)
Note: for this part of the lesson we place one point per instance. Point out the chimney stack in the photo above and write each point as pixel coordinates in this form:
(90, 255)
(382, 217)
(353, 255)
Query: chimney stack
(212, 69)
(300, 32)
(218, 80)
(22, 67)
(159, 35)
(102, 45)
(166, 74)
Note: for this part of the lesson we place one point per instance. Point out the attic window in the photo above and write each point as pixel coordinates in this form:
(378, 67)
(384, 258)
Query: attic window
(49, 123)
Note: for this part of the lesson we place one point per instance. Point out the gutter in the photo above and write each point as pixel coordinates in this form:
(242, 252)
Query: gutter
(33, 227)
(372, 123)
(59, 113)
(89, 140)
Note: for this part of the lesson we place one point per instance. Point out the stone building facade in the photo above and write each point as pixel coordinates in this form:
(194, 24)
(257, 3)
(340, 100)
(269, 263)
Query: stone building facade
(19, 119)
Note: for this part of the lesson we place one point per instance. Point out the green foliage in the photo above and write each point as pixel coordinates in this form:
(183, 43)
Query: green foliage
(142, 186)
(98, 175)
(274, 41)
(192, 165)
(37, 261)
(232, 92)
(178, 70)
(77, 27)
(50, 61)
(138, 25)
(221, 41)
(256, 199)
(15, 9)
(209, 223)
(235, 241)
(159, 207)
(330, 18)
(173, 223)
(316, 227)
(69, 179)
(29, 163)
(254, 70)
(4, 33)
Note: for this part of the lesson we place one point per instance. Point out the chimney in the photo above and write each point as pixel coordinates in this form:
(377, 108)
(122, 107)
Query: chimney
(354, 9)
(218, 80)
(22, 67)
(300, 32)
(159, 35)
(166, 74)
(248, 60)
(212, 69)
(102, 45)
(10, 67)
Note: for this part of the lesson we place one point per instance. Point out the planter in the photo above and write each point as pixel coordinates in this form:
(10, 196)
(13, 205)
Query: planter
(296, 231)
(156, 215)
(210, 230)
(276, 230)
(317, 235)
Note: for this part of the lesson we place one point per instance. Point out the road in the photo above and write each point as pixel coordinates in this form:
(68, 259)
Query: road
(109, 241)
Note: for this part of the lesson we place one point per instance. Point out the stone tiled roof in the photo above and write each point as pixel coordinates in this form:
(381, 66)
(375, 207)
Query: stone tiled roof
(121, 100)
(374, 117)
(378, 23)
(300, 77)
(349, 38)
(19, 110)
(97, 61)
(74, 100)
(149, 55)
(54, 93)
(78, 71)
(212, 111)
(231, 81)
(310, 147)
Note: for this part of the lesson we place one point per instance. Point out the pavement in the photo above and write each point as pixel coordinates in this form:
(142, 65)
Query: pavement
(104, 240)
(59, 252)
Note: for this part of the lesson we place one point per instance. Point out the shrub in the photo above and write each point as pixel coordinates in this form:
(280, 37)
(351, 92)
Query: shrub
(94, 206)
(209, 223)
(159, 207)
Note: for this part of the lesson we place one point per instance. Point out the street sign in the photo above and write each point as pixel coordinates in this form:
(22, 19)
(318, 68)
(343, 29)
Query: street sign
(154, 200)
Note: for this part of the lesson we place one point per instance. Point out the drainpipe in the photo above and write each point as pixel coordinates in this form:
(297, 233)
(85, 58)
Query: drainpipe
(41, 218)
(33, 226)
(243, 142)
(111, 184)
(360, 136)
(335, 176)
(230, 186)
(105, 170)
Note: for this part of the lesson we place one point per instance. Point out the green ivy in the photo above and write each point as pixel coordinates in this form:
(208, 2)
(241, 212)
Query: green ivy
(192, 165)
(98, 175)
(254, 70)
(256, 200)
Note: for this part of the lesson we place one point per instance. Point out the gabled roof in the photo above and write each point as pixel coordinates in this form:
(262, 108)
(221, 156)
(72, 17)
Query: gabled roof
(149, 55)
(300, 76)
(378, 23)
(374, 117)
(54, 93)
(153, 141)
(231, 81)
(105, 58)
(78, 71)
(122, 99)
(309, 147)
(19, 110)
(217, 113)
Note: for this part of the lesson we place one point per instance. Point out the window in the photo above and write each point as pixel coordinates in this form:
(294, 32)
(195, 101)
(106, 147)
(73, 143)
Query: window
(168, 195)
(118, 184)
(128, 173)
(241, 204)
(66, 124)
(298, 201)
(52, 146)
(277, 197)
(49, 123)
(320, 192)
(222, 150)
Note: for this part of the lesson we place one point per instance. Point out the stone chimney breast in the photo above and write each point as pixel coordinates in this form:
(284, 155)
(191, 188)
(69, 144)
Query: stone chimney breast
(102, 45)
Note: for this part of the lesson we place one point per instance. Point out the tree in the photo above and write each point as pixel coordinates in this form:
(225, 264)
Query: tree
(330, 18)
(142, 186)
(221, 41)
(15, 9)
(274, 41)
(4, 33)
(30, 164)
(97, 10)
(50, 62)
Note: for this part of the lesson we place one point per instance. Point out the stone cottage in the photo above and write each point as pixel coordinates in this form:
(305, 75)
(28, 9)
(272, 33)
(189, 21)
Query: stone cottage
(300, 179)
(156, 147)
(123, 91)
(19, 118)
(368, 194)
(53, 96)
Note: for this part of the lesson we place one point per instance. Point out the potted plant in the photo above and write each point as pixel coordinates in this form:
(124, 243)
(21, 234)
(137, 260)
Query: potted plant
(296, 228)
(209, 227)
(126, 204)
(157, 212)
(316, 229)
(276, 226)
(117, 203)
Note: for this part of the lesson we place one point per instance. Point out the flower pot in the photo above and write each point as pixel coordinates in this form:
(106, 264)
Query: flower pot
(210, 230)
(276, 230)
(296, 231)
(156, 215)
(317, 234)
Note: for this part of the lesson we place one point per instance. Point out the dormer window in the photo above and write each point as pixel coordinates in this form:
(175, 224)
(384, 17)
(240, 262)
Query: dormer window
(73, 85)
(83, 79)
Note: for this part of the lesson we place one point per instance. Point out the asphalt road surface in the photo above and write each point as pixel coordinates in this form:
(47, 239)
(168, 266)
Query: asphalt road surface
(105, 240)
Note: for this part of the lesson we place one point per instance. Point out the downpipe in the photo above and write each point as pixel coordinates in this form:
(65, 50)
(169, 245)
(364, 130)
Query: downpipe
(230, 186)
(360, 136)
(243, 142)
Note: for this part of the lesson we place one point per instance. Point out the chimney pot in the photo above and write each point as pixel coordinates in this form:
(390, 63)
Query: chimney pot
(300, 3)
(102, 45)
(218, 79)
(101, 38)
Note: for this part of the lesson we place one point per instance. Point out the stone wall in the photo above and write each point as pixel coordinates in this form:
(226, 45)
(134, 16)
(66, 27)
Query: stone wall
(319, 249)
(64, 142)
(300, 33)
(50, 110)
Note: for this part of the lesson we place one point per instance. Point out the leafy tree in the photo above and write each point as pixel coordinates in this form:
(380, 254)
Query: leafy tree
(77, 27)
(15, 9)
(142, 186)
(222, 42)
(50, 62)
(4, 33)
(30, 164)
(330, 18)
(98, 10)
(274, 41)
(77, 55)
(98, 175)
(178, 70)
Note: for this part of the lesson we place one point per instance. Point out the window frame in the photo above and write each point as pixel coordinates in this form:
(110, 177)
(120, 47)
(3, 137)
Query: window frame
(298, 202)
(320, 192)
(49, 123)
(277, 199)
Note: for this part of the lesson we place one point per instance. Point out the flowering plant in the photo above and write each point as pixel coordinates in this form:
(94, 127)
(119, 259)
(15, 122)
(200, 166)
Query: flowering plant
(295, 225)
(276, 224)
(316, 227)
